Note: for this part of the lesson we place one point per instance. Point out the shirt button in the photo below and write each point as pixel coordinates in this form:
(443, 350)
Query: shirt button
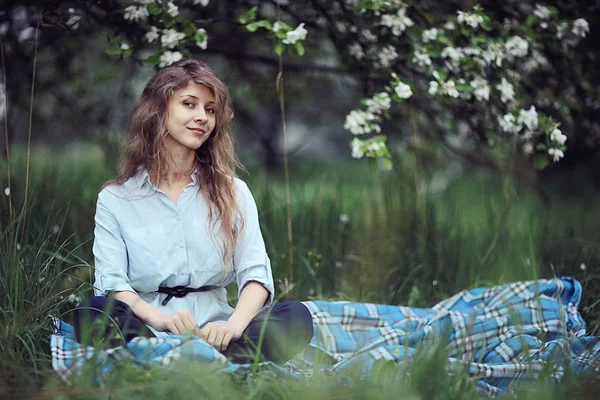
(181, 245)
(177, 218)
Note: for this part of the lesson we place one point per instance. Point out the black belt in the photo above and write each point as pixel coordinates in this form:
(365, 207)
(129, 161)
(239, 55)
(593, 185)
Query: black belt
(182, 291)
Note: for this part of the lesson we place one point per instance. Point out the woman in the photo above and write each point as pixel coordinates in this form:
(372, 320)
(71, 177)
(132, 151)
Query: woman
(176, 226)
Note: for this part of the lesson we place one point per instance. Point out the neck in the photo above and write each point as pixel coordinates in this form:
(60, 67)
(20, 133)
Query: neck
(181, 167)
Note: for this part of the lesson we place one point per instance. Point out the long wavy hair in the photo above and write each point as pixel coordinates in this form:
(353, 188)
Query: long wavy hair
(216, 160)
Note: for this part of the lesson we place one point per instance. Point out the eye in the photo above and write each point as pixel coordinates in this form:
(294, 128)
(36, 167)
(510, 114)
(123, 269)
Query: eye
(188, 104)
(211, 111)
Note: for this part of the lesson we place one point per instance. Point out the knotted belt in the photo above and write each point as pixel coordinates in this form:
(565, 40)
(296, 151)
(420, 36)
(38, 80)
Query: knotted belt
(182, 291)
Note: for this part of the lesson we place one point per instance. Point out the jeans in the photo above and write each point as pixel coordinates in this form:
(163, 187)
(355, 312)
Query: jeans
(287, 329)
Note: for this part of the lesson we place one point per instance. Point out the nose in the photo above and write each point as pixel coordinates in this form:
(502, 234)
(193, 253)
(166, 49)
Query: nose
(201, 115)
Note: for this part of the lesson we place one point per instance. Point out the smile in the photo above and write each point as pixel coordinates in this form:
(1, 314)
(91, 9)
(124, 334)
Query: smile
(197, 131)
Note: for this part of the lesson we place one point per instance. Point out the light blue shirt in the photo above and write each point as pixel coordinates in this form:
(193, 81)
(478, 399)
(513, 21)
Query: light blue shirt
(143, 240)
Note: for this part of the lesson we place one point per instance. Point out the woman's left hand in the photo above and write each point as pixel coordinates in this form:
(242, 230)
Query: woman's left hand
(220, 335)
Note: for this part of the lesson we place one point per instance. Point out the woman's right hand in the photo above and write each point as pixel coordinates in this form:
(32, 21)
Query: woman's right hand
(181, 322)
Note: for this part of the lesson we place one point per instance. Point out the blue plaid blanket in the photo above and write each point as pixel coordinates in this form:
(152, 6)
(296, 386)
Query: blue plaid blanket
(503, 336)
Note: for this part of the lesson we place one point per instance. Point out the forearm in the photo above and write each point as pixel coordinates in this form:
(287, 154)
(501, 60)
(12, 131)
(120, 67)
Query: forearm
(144, 311)
(251, 301)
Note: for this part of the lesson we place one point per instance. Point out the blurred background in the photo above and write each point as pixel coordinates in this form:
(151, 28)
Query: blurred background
(444, 219)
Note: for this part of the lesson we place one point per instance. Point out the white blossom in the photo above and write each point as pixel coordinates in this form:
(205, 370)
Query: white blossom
(582, 267)
(387, 55)
(449, 26)
(153, 34)
(7, 191)
(344, 219)
(368, 35)
(529, 118)
(204, 43)
(580, 27)
(299, 33)
(482, 89)
(453, 55)
(360, 122)
(450, 89)
(398, 23)
(373, 147)
(494, 53)
(473, 20)
(561, 29)
(203, 3)
(507, 91)
(355, 145)
(134, 13)
(556, 154)
(55, 229)
(172, 9)
(429, 35)
(124, 46)
(421, 58)
(508, 125)
(528, 148)
(433, 88)
(356, 51)
(379, 103)
(558, 137)
(170, 38)
(73, 21)
(516, 47)
(403, 90)
(527, 135)
(169, 57)
(541, 11)
(470, 51)
(536, 60)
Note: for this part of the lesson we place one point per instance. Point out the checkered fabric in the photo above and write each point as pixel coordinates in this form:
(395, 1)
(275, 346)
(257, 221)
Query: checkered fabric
(504, 336)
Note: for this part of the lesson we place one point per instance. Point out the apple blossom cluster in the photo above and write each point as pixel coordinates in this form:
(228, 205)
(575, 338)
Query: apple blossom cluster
(526, 123)
(486, 68)
(297, 34)
(171, 42)
(361, 122)
(398, 22)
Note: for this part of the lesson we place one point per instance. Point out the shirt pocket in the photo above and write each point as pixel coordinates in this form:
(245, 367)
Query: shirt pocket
(147, 249)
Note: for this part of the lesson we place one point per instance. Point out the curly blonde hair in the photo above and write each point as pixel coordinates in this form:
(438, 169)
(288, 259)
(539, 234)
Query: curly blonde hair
(216, 158)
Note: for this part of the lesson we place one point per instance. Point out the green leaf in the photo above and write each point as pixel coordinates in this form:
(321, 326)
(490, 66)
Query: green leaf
(386, 163)
(154, 59)
(154, 9)
(248, 16)
(278, 48)
(113, 51)
(373, 165)
(299, 48)
(259, 24)
(540, 161)
(486, 24)
(541, 146)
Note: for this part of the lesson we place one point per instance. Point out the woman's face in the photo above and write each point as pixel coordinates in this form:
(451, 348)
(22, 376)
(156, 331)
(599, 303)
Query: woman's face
(190, 117)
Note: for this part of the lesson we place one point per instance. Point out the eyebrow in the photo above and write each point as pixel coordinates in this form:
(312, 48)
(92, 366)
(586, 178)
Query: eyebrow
(191, 95)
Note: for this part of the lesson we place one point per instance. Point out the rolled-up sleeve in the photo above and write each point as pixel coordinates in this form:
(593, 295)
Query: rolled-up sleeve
(110, 252)
(251, 262)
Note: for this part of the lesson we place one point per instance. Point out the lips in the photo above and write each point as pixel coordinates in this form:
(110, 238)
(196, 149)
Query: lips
(198, 131)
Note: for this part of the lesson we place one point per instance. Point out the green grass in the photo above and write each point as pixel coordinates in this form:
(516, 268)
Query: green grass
(357, 236)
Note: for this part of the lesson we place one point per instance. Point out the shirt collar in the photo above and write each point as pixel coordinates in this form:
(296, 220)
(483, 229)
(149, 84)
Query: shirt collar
(144, 177)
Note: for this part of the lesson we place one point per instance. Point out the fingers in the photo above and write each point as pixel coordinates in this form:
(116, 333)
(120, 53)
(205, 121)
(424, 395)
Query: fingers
(172, 328)
(217, 336)
(226, 339)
